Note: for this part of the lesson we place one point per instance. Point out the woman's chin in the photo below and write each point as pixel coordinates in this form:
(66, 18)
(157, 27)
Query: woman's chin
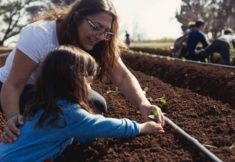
(88, 47)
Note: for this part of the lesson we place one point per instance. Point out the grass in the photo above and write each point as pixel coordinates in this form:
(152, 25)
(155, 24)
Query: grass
(163, 45)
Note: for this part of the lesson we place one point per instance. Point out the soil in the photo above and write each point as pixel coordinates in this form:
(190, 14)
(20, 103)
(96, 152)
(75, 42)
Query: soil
(205, 111)
(217, 82)
(150, 50)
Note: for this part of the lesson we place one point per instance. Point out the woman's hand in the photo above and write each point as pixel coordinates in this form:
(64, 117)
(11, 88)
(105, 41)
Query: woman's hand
(147, 110)
(11, 132)
(151, 127)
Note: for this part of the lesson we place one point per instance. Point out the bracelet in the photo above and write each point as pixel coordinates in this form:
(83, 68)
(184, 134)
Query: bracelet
(12, 115)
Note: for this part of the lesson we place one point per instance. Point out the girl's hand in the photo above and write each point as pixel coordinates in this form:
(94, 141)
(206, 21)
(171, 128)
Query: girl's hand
(11, 132)
(151, 127)
(147, 110)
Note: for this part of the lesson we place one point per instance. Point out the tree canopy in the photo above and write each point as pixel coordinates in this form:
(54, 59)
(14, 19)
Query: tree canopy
(217, 14)
(14, 14)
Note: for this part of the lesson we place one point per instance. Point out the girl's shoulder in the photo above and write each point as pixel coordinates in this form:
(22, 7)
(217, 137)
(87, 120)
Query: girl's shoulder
(66, 104)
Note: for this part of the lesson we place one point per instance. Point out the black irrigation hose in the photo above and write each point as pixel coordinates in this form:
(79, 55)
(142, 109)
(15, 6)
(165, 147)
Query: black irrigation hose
(183, 60)
(194, 141)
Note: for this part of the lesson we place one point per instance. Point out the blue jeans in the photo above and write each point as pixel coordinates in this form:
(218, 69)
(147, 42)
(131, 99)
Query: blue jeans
(96, 100)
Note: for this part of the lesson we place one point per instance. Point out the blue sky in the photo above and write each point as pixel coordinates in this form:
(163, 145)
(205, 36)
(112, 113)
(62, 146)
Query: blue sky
(153, 19)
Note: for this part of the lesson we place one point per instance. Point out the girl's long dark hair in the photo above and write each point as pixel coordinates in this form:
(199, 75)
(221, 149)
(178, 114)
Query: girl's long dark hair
(105, 52)
(63, 76)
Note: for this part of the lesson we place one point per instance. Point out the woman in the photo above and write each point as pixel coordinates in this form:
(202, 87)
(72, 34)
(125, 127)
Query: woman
(90, 25)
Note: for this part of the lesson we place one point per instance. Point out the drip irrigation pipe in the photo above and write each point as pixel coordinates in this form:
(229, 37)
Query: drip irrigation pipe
(183, 60)
(192, 140)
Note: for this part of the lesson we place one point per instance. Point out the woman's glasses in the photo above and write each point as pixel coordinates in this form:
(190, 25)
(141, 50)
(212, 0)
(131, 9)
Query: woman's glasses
(98, 30)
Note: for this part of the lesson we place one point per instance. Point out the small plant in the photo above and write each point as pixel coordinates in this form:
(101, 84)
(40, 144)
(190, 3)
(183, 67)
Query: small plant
(161, 100)
(145, 90)
(168, 58)
(155, 111)
(232, 146)
(112, 91)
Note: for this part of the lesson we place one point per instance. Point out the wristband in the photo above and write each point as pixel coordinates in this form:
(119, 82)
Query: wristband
(12, 115)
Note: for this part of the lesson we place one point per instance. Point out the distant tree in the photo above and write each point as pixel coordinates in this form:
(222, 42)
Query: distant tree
(14, 14)
(221, 15)
(62, 2)
(218, 14)
(190, 10)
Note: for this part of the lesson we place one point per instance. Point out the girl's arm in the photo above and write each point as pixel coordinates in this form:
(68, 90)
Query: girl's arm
(87, 127)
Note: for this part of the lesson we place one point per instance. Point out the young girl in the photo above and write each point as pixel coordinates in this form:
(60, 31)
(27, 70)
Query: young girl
(60, 111)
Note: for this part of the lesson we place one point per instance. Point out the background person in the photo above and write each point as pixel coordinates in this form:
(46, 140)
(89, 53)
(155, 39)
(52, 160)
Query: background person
(128, 39)
(196, 36)
(88, 24)
(191, 25)
(222, 46)
(180, 44)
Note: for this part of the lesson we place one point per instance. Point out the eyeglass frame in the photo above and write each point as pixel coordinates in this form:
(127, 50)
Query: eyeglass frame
(97, 30)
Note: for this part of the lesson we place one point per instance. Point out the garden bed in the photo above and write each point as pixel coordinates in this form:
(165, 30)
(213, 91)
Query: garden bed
(216, 82)
(209, 121)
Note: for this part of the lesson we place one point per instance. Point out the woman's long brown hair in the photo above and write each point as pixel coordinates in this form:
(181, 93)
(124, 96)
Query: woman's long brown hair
(63, 76)
(105, 52)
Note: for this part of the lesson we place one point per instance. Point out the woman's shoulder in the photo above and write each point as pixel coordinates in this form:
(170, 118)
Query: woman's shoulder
(41, 26)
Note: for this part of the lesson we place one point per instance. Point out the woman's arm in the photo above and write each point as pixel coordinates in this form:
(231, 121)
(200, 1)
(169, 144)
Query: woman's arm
(128, 84)
(130, 87)
(22, 68)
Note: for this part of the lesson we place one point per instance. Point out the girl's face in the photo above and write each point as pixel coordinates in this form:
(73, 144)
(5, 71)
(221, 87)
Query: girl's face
(94, 29)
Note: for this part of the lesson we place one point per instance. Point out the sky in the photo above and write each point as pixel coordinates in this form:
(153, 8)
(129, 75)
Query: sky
(152, 19)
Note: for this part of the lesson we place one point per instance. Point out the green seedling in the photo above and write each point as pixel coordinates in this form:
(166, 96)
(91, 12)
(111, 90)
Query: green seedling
(145, 90)
(112, 91)
(168, 58)
(232, 146)
(155, 113)
(162, 100)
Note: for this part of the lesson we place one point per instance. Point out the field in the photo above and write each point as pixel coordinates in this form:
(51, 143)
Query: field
(161, 45)
(199, 98)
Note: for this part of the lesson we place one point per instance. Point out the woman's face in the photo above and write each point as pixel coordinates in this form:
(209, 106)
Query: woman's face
(94, 29)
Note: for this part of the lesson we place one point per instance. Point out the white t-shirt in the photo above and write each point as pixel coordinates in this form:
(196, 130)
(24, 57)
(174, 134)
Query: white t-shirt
(36, 41)
(227, 38)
